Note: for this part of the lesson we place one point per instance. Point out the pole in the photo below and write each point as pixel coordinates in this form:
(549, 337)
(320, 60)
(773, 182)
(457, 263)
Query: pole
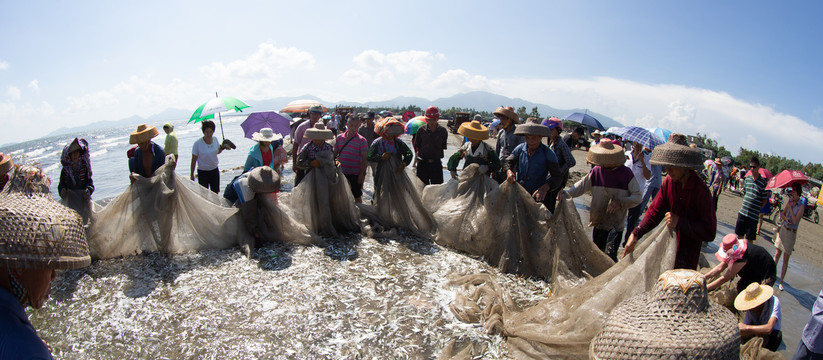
(220, 118)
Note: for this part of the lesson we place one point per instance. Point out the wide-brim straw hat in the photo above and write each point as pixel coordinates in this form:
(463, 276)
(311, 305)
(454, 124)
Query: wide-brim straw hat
(473, 130)
(677, 153)
(754, 295)
(319, 132)
(264, 179)
(676, 320)
(266, 134)
(37, 232)
(143, 133)
(5, 163)
(532, 129)
(506, 113)
(606, 154)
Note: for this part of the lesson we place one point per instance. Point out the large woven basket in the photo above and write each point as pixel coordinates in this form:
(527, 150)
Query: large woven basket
(676, 320)
(35, 230)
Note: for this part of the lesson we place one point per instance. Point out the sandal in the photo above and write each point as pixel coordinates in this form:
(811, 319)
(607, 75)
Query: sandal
(780, 286)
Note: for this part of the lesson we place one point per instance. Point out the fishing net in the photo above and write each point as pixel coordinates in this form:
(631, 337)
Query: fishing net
(266, 218)
(164, 213)
(754, 350)
(77, 201)
(563, 325)
(397, 200)
(507, 227)
(323, 200)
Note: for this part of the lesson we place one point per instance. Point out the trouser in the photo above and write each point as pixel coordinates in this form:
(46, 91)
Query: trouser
(746, 227)
(632, 218)
(607, 241)
(430, 172)
(803, 353)
(298, 176)
(209, 179)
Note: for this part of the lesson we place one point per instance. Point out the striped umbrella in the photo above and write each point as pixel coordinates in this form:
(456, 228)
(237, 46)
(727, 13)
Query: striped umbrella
(415, 124)
(300, 106)
(642, 136)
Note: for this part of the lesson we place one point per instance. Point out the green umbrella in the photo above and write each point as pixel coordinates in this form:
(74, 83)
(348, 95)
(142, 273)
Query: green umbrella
(217, 106)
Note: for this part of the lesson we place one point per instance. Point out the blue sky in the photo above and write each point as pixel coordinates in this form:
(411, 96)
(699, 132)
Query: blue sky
(746, 72)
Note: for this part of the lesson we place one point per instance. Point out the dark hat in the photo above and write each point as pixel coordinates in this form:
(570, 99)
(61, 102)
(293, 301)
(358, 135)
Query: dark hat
(37, 232)
(532, 129)
(677, 153)
(264, 179)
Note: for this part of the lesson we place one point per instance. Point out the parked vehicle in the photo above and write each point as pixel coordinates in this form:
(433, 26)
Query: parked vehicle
(459, 118)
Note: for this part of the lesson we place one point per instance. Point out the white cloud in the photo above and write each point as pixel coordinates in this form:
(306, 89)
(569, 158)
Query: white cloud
(410, 68)
(34, 85)
(14, 93)
(734, 123)
(4, 65)
(459, 80)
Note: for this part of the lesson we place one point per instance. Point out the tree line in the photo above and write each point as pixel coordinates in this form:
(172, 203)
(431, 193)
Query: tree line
(773, 163)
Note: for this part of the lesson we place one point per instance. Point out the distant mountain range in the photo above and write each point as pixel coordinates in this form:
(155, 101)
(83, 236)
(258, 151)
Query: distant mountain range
(480, 100)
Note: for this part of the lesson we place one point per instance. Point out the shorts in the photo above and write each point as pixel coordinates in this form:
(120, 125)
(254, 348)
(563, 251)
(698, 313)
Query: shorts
(767, 209)
(354, 183)
(746, 227)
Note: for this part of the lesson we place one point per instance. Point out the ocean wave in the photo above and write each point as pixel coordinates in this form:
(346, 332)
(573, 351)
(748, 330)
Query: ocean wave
(97, 153)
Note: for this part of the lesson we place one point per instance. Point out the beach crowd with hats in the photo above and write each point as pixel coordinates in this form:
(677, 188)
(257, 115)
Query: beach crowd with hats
(633, 190)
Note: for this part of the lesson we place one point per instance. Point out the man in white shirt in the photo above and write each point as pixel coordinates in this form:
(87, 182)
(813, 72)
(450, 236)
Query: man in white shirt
(638, 161)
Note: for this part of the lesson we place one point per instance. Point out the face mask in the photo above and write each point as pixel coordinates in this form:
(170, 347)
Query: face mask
(17, 288)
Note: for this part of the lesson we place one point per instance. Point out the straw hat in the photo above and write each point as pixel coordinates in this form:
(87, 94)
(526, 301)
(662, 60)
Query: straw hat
(38, 232)
(319, 132)
(266, 134)
(731, 250)
(316, 108)
(677, 153)
(264, 179)
(505, 113)
(532, 129)
(473, 130)
(754, 295)
(606, 154)
(5, 163)
(674, 320)
(143, 133)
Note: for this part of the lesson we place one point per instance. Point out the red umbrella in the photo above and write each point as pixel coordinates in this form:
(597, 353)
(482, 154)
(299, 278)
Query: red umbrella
(763, 172)
(786, 178)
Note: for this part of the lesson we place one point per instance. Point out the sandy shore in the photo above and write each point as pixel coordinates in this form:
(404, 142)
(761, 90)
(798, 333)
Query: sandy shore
(804, 277)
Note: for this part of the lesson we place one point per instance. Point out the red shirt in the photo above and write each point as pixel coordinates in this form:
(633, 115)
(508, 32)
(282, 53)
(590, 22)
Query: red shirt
(692, 202)
(266, 156)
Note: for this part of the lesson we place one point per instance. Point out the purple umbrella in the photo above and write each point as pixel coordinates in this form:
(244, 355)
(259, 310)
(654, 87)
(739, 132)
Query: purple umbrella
(267, 119)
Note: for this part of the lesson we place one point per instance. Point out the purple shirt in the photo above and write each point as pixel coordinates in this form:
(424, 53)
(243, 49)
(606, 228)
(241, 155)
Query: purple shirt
(351, 155)
(299, 139)
(813, 332)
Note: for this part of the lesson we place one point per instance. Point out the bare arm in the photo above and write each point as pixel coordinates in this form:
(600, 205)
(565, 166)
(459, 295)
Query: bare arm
(193, 164)
(757, 330)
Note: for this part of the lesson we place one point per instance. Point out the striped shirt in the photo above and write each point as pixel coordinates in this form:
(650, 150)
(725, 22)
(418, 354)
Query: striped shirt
(351, 155)
(755, 194)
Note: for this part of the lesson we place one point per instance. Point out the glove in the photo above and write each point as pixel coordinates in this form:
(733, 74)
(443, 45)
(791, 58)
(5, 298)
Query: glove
(314, 163)
(385, 156)
(454, 174)
(484, 169)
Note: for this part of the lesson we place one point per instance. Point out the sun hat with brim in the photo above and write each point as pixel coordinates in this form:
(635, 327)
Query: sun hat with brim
(677, 153)
(316, 108)
(473, 130)
(319, 132)
(266, 134)
(5, 163)
(264, 179)
(532, 129)
(37, 232)
(506, 113)
(754, 295)
(676, 320)
(731, 249)
(606, 154)
(143, 133)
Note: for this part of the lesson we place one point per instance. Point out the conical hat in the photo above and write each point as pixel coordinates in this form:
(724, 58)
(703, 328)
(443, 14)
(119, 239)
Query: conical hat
(532, 129)
(675, 320)
(473, 130)
(677, 153)
(319, 132)
(36, 231)
(606, 154)
(143, 133)
(505, 113)
(264, 179)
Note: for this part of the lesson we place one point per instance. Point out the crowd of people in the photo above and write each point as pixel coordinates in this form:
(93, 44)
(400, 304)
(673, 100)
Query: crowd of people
(633, 189)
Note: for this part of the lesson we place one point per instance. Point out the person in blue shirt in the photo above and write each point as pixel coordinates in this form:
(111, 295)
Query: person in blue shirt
(26, 271)
(148, 156)
(534, 165)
